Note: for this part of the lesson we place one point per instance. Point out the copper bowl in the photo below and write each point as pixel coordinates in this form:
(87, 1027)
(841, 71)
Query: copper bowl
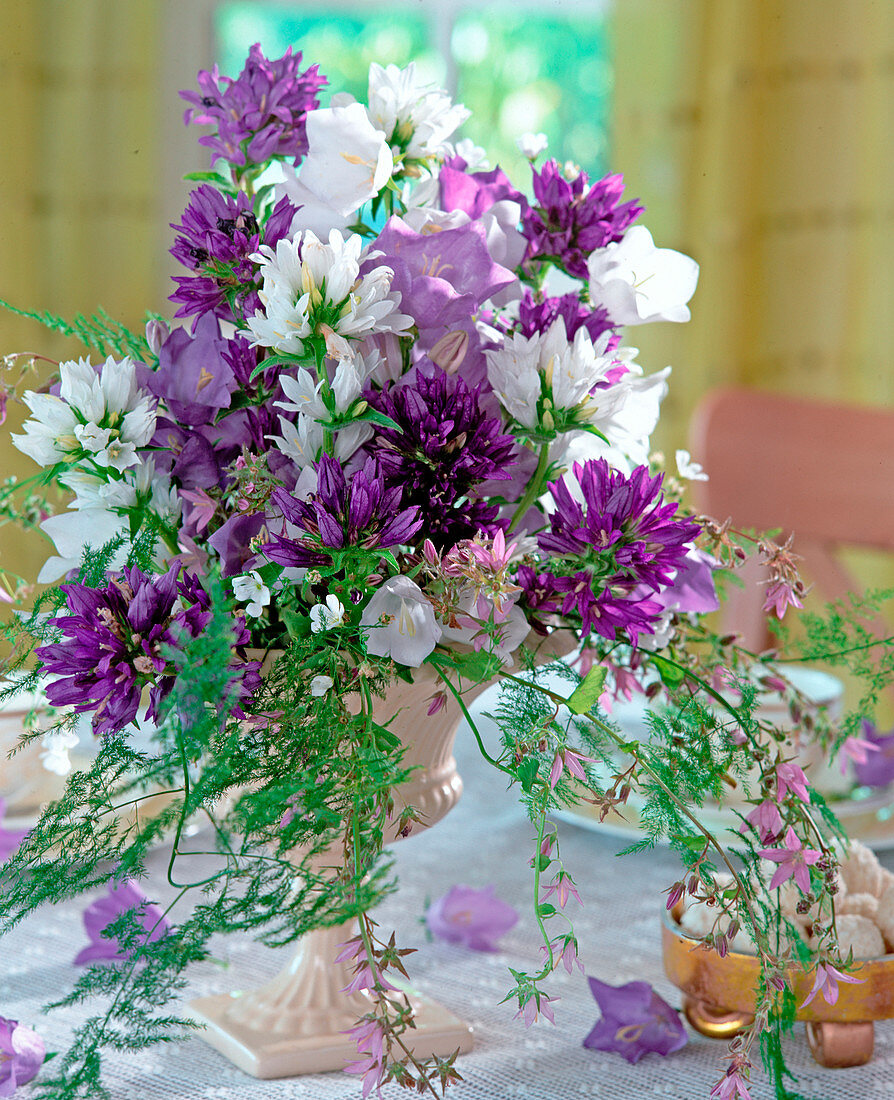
(719, 997)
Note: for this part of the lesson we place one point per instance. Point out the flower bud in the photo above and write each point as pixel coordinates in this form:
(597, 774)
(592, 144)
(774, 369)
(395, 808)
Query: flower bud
(449, 352)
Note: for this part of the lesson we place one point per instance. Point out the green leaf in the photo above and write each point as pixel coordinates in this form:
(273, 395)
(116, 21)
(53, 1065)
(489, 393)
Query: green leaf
(297, 625)
(375, 417)
(586, 694)
(527, 773)
(672, 676)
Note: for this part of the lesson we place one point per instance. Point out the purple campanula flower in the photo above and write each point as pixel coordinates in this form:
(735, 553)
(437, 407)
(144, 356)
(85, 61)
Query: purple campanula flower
(538, 316)
(261, 113)
(232, 540)
(22, 1053)
(113, 639)
(475, 192)
(571, 218)
(635, 1021)
(878, 768)
(444, 448)
(10, 839)
(217, 236)
(474, 918)
(193, 378)
(120, 898)
(362, 511)
(622, 544)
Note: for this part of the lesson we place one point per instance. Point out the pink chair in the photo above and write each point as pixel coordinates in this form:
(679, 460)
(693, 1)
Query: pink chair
(822, 471)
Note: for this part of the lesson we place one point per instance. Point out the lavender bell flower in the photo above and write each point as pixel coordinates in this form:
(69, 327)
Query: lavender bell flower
(10, 839)
(122, 897)
(475, 918)
(361, 512)
(259, 114)
(22, 1054)
(401, 623)
(635, 1021)
(193, 379)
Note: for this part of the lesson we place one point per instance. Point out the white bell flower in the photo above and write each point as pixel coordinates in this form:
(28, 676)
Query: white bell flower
(320, 685)
(638, 283)
(686, 468)
(55, 747)
(401, 622)
(532, 145)
(417, 119)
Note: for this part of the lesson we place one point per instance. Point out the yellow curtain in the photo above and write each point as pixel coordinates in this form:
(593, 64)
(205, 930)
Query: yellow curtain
(79, 177)
(760, 137)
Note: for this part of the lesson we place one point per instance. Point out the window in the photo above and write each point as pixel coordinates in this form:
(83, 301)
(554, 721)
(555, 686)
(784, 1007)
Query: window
(517, 67)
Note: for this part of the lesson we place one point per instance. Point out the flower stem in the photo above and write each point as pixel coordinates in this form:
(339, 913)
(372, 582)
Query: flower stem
(535, 487)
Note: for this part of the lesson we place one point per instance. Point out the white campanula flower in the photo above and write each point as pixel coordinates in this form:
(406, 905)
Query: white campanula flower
(416, 118)
(638, 283)
(532, 145)
(320, 685)
(551, 385)
(316, 301)
(686, 468)
(401, 623)
(251, 588)
(328, 615)
(474, 156)
(55, 747)
(347, 163)
(98, 419)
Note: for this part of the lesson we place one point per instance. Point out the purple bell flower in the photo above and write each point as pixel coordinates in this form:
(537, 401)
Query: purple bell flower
(571, 218)
(474, 918)
(22, 1053)
(261, 113)
(635, 1022)
(120, 898)
(361, 512)
(446, 446)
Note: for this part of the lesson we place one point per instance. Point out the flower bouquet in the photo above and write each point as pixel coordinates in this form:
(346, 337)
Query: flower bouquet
(394, 448)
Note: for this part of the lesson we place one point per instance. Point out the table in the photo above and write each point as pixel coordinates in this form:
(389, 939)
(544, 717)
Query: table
(485, 840)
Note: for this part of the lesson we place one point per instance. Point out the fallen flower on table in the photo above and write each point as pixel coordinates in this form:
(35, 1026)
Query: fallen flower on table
(121, 897)
(22, 1053)
(476, 918)
(635, 1021)
(10, 839)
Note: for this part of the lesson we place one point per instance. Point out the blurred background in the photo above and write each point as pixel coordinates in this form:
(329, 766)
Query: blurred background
(759, 137)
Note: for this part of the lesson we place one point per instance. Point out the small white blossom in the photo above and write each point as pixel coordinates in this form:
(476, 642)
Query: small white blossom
(638, 283)
(296, 314)
(474, 156)
(328, 615)
(55, 747)
(417, 119)
(250, 587)
(692, 471)
(320, 685)
(532, 145)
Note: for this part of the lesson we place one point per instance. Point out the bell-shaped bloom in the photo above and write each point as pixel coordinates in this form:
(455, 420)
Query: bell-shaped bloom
(878, 768)
(635, 1021)
(22, 1054)
(638, 283)
(401, 623)
(120, 898)
(826, 982)
(475, 918)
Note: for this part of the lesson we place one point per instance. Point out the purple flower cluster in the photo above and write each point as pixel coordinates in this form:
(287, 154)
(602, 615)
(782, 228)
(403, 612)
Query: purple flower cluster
(218, 234)
(535, 317)
(622, 543)
(261, 113)
(571, 219)
(120, 897)
(444, 447)
(362, 511)
(113, 639)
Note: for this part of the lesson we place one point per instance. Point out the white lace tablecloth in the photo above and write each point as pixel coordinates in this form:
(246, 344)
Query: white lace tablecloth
(486, 839)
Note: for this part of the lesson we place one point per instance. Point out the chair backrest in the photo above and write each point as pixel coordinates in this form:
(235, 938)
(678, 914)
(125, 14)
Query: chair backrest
(820, 470)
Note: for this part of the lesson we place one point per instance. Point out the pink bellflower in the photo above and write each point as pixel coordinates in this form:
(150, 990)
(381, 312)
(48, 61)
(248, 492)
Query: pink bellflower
(794, 860)
(827, 979)
(475, 918)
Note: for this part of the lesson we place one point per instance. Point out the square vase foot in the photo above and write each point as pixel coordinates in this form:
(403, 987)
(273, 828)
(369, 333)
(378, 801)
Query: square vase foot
(265, 1054)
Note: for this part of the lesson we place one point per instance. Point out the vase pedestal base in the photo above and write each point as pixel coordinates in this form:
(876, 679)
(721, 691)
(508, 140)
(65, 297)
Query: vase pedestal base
(265, 1054)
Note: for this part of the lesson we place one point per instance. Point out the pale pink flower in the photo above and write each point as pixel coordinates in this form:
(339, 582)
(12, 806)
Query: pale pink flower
(789, 777)
(563, 887)
(570, 761)
(536, 1005)
(794, 861)
(766, 819)
(856, 749)
(780, 596)
(827, 979)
